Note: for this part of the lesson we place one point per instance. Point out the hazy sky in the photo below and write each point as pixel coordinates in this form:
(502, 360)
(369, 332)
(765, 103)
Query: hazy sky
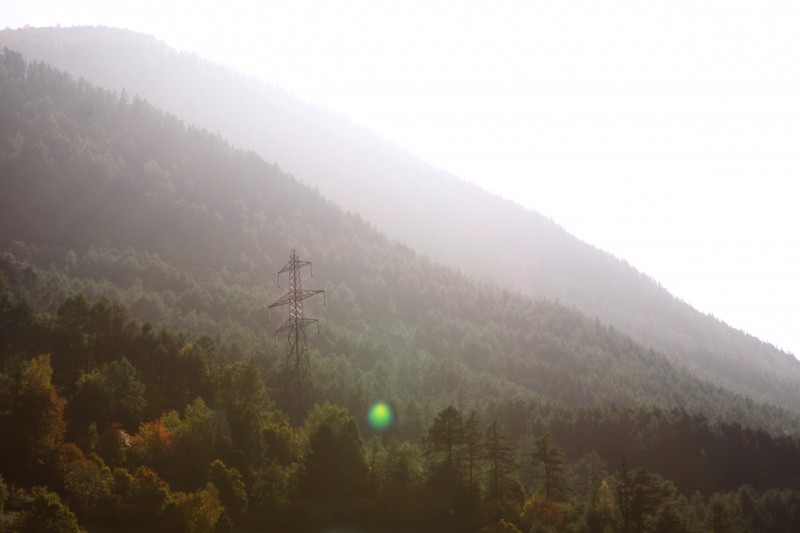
(666, 132)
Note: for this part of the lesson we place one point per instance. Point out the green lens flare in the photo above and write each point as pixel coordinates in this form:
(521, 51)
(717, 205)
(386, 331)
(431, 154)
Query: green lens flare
(380, 416)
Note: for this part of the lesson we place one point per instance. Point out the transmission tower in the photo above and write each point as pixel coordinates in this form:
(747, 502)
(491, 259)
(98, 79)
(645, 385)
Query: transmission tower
(297, 351)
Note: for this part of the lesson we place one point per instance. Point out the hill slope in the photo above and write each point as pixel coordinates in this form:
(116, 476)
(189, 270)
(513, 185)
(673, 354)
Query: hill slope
(454, 222)
(113, 197)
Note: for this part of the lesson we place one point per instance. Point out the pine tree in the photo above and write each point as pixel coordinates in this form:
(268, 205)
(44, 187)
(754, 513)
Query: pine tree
(473, 448)
(550, 459)
(500, 455)
(445, 438)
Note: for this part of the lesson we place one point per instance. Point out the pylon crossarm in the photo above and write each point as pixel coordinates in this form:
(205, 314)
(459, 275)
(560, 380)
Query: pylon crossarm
(295, 296)
(302, 295)
(292, 265)
(283, 300)
(291, 323)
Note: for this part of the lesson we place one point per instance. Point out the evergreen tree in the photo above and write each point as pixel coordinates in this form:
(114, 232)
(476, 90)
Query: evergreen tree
(625, 493)
(550, 461)
(640, 495)
(473, 449)
(499, 454)
(444, 439)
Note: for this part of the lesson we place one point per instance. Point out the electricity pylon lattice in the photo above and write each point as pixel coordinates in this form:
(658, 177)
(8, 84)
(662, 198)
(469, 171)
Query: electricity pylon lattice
(297, 351)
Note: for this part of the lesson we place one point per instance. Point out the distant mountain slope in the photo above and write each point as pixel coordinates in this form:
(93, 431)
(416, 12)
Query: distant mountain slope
(452, 221)
(110, 196)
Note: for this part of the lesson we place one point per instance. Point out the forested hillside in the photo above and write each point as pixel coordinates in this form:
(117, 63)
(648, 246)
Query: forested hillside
(435, 213)
(140, 383)
(104, 193)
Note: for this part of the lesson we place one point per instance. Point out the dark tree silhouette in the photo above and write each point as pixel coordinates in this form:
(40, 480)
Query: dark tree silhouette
(445, 437)
(549, 459)
(499, 454)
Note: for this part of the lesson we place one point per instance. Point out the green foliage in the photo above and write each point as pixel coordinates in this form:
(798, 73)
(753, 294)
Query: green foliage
(243, 397)
(499, 454)
(18, 328)
(281, 439)
(403, 469)
(667, 520)
(231, 489)
(642, 496)
(333, 465)
(473, 449)
(285, 472)
(148, 496)
(47, 513)
(272, 491)
(549, 459)
(199, 437)
(32, 423)
(588, 473)
(601, 512)
(444, 439)
(112, 392)
(197, 512)
(87, 486)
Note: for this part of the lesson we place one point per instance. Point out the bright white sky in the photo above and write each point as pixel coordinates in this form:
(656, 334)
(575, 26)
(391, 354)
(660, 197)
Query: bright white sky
(666, 132)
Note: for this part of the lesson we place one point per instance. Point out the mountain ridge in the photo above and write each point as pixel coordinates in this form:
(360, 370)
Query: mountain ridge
(548, 262)
(93, 180)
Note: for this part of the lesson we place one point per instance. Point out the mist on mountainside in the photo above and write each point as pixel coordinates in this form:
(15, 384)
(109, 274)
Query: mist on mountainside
(91, 174)
(435, 213)
(141, 386)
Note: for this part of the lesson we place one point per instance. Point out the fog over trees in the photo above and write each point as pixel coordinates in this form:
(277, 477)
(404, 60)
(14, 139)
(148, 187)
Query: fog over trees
(437, 214)
(141, 387)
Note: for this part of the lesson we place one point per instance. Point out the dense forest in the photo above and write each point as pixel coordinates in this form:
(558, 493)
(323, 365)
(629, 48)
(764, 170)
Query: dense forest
(141, 386)
(117, 424)
(454, 222)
